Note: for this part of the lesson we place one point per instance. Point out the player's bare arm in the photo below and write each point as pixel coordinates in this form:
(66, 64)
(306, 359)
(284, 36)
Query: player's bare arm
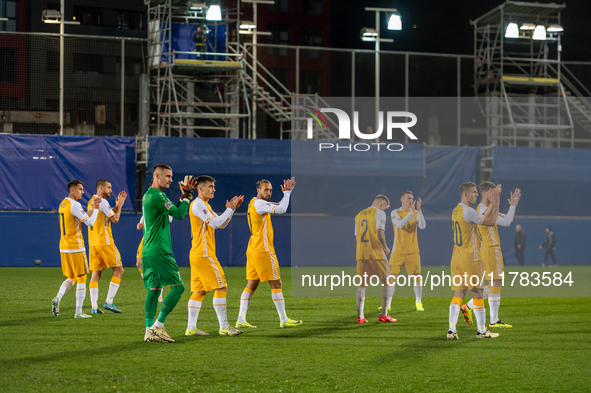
(118, 206)
(515, 197)
(382, 239)
(491, 214)
(235, 202)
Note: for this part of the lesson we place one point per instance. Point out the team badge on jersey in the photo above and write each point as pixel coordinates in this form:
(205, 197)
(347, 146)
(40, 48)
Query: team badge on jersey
(204, 211)
(168, 205)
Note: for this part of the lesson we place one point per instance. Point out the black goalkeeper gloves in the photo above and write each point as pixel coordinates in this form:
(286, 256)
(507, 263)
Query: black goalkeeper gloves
(187, 187)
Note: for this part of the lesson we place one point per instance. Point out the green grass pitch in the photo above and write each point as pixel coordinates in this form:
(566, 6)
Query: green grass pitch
(547, 350)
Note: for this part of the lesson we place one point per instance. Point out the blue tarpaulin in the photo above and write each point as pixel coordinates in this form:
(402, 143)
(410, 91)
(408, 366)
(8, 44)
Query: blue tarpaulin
(35, 169)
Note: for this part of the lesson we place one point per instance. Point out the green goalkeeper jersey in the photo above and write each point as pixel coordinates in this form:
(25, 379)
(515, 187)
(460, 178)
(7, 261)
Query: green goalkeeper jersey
(156, 208)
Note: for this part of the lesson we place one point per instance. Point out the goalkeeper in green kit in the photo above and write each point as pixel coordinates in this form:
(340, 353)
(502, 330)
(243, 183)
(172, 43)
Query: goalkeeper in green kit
(159, 265)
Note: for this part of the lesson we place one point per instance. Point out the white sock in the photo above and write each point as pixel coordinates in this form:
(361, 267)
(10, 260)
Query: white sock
(194, 308)
(66, 285)
(158, 324)
(80, 295)
(454, 311)
(387, 293)
(360, 301)
(494, 302)
(418, 287)
(279, 302)
(161, 292)
(112, 292)
(94, 297)
(147, 330)
(244, 303)
(219, 305)
(485, 293)
(480, 314)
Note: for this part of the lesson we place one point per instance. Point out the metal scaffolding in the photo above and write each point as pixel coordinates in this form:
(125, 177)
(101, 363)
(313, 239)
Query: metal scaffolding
(521, 81)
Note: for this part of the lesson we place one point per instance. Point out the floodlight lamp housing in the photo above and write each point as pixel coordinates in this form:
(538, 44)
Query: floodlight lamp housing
(539, 33)
(512, 30)
(368, 34)
(527, 26)
(395, 21)
(555, 29)
(214, 11)
(197, 6)
(51, 15)
(247, 25)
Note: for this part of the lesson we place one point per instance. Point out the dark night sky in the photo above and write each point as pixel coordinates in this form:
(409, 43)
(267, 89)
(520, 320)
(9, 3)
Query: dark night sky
(443, 26)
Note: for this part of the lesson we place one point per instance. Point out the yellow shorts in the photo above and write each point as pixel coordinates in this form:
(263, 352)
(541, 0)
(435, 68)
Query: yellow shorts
(466, 273)
(412, 263)
(262, 266)
(492, 260)
(139, 249)
(206, 274)
(102, 257)
(74, 264)
(373, 267)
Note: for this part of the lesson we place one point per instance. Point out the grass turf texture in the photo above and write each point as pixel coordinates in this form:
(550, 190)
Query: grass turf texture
(548, 349)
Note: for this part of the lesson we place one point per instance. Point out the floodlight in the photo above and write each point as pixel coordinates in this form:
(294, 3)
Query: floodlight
(368, 34)
(197, 5)
(395, 21)
(214, 12)
(51, 15)
(528, 26)
(539, 33)
(247, 24)
(512, 31)
(555, 29)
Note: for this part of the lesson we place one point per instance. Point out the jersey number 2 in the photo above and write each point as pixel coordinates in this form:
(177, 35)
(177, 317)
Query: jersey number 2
(363, 239)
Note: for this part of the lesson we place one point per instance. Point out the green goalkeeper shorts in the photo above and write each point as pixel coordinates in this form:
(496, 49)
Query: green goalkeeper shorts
(160, 270)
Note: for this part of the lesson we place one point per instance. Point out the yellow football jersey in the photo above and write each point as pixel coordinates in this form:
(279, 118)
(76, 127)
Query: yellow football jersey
(405, 239)
(367, 223)
(466, 237)
(99, 234)
(489, 235)
(261, 229)
(203, 244)
(71, 218)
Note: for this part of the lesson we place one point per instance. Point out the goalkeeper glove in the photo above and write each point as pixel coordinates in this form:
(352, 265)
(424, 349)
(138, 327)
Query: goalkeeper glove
(187, 187)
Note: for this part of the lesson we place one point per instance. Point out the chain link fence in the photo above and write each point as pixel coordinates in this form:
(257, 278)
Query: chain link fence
(98, 99)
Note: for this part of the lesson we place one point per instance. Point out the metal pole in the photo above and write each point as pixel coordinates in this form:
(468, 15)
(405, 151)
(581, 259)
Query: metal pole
(297, 70)
(377, 65)
(122, 85)
(352, 82)
(61, 98)
(254, 73)
(406, 87)
(459, 99)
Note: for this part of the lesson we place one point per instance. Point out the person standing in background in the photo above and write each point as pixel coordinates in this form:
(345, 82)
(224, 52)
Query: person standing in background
(520, 245)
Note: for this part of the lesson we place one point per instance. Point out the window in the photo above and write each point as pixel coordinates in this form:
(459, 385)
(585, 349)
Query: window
(312, 7)
(8, 10)
(8, 65)
(282, 75)
(311, 82)
(88, 16)
(88, 63)
(311, 36)
(129, 20)
(280, 5)
(52, 61)
(279, 36)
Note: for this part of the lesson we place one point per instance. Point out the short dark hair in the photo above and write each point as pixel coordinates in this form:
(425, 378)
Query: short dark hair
(405, 193)
(160, 167)
(73, 184)
(485, 186)
(101, 182)
(204, 179)
(549, 228)
(383, 198)
(466, 186)
(261, 182)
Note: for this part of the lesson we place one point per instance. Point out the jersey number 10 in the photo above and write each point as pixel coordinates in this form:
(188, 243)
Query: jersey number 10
(455, 226)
